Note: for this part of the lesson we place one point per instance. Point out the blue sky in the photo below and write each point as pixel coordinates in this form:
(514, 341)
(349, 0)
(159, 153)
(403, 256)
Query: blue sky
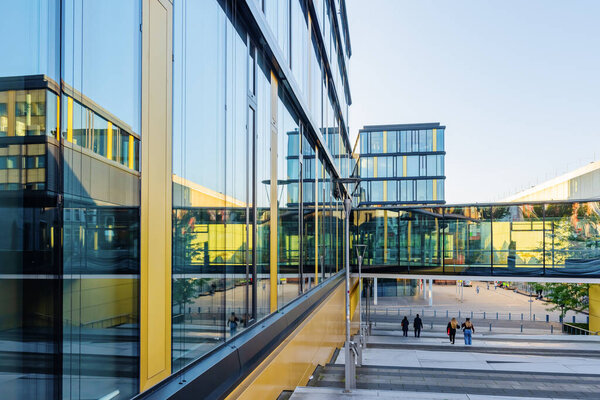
(517, 83)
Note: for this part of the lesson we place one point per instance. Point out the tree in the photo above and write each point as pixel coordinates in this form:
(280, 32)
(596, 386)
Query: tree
(184, 290)
(565, 296)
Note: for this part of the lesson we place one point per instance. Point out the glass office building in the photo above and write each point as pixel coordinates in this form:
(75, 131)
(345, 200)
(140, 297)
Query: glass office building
(165, 165)
(402, 164)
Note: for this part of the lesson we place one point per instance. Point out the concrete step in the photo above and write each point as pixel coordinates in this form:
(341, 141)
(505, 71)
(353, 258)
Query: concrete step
(461, 381)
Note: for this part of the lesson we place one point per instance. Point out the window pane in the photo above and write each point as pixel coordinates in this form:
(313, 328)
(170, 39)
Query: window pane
(412, 166)
(392, 141)
(92, 52)
(421, 190)
(376, 142)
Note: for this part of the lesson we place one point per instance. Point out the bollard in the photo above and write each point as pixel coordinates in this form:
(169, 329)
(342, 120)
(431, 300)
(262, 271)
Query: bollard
(521, 316)
(496, 315)
(398, 312)
(573, 319)
(471, 314)
(547, 318)
(446, 313)
(484, 315)
(490, 326)
(551, 329)
(410, 312)
(458, 314)
(588, 320)
(509, 316)
(422, 312)
(434, 313)
(534, 317)
(560, 319)
(521, 328)
(432, 326)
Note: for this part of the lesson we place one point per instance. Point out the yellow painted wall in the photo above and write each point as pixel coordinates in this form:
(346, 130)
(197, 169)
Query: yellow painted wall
(294, 360)
(594, 307)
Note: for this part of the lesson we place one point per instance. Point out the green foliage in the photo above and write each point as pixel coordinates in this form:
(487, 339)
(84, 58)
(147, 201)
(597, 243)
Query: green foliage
(185, 290)
(565, 296)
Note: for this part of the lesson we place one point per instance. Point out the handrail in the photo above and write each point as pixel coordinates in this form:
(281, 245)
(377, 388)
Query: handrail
(580, 331)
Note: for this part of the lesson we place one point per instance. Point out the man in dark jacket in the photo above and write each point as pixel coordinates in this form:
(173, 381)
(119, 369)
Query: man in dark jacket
(418, 324)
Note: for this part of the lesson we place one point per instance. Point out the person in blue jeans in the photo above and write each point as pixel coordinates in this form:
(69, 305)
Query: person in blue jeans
(233, 323)
(468, 330)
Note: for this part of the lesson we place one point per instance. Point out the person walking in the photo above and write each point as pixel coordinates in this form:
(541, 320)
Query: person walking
(418, 324)
(468, 330)
(233, 323)
(452, 327)
(404, 324)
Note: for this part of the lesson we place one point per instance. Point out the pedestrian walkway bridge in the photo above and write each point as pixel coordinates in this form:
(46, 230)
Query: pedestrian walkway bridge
(537, 241)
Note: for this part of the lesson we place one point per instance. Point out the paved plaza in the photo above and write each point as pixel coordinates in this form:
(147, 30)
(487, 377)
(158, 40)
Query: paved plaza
(516, 359)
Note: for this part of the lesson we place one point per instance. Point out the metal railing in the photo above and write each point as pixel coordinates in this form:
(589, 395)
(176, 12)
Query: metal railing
(576, 330)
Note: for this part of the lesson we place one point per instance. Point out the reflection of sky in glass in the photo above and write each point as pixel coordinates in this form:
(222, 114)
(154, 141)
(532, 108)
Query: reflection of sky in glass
(199, 93)
(102, 54)
(29, 38)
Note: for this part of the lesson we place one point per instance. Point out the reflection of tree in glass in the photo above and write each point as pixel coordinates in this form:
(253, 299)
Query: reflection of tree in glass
(185, 290)
(572, 233)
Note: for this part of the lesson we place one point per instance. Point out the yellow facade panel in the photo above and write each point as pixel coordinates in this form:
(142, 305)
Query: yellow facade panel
(594, 304)
(293, 361)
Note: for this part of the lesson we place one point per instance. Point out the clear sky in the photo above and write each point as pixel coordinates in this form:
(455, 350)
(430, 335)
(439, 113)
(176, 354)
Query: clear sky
(517, 84)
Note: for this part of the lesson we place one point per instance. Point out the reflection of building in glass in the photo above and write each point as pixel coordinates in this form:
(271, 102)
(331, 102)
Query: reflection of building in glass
(402, 164)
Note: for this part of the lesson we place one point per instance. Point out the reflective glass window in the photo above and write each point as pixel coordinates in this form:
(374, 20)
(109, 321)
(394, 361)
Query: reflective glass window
(99, 135)
(432, 165)
(36, 49)
(399, 166)
(429, 138)
(92, 52)
(382, 167)
(440, 165)
(376, 142)
(377, 191)
(392, 142)
(412, 166)
(405, 141)
(440, 140)
(422, 137)
(421, 190)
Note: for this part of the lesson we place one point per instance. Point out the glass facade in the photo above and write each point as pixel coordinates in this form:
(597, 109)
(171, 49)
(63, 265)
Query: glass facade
(402, 164)
(262, 224)
(70, 115)
(560, 239)
(256, 215)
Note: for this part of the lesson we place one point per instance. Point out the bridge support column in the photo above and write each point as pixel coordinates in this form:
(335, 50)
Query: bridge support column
(430, 292)
(375, 291)
(594, 297)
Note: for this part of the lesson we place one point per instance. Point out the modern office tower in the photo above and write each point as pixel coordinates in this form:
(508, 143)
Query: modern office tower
(166, 166)
(402, 164)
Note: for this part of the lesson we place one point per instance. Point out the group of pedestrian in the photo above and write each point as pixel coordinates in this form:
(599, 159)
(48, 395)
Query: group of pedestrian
(417, 325)
(467, 327)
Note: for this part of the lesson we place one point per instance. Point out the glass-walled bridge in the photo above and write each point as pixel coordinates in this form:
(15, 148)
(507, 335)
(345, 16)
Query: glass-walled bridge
(534, 240)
